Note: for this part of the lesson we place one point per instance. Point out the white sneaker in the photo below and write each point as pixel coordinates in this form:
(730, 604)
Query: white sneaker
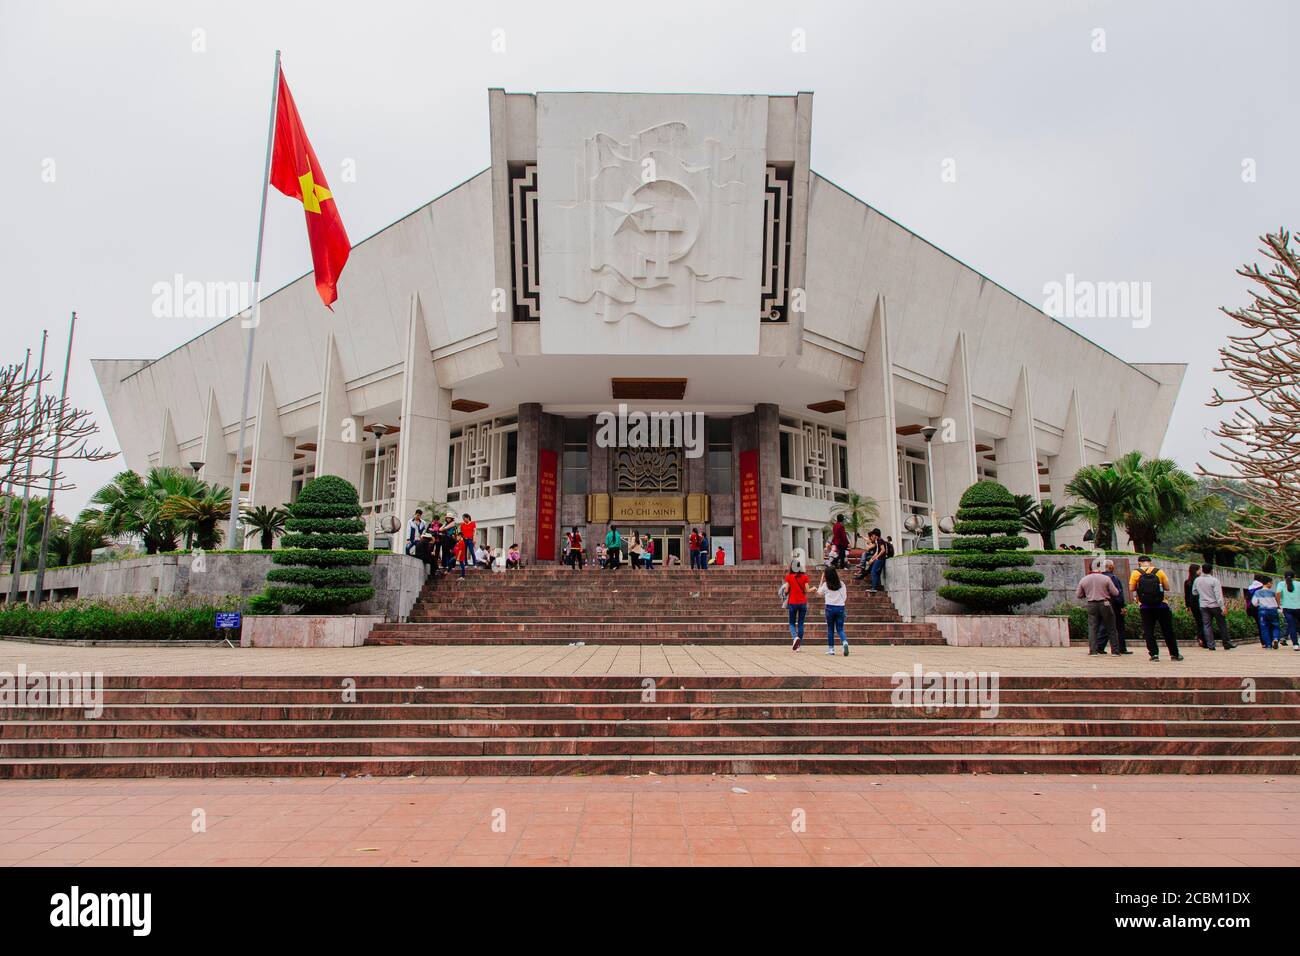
(831, 652)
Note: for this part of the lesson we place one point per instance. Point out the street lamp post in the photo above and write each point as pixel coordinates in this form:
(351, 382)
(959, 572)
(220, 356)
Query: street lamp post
(928, 432)
(379, 430)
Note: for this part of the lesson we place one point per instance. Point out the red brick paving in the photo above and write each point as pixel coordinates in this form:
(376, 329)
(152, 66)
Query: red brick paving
(1034, 820)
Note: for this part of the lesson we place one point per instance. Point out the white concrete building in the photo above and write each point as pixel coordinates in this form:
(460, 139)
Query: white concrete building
(671, 253)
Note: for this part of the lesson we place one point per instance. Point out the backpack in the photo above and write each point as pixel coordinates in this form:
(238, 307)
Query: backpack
(889, 549)
(1149, 589)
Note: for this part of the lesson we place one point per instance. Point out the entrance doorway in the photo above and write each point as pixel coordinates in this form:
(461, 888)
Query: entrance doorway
(668, 541)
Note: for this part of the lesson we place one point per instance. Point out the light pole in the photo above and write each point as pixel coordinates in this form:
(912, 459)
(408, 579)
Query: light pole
(928, 432)
(379, 430)
(197, 466)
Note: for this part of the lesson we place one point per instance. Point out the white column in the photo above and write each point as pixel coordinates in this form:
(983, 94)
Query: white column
(218, 462)
(953, 446)
(872, 431)
(338, 435)
(272, 478)
(1017, 453)
(426, 424)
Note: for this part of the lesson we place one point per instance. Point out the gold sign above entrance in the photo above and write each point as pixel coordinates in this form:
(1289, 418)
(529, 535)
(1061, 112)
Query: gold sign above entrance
(660, 508)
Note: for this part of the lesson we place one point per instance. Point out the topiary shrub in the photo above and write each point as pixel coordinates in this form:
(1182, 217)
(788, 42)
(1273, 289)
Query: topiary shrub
(324, 565)
(984, 571)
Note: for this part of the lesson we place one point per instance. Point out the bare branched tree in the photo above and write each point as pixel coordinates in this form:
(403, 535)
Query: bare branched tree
(1261, 438)
(42, 431)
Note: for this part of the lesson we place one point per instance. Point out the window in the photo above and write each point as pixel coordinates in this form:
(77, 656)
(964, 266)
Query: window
(719, 476)
(482, 459)
(574, 479)
(814, 460)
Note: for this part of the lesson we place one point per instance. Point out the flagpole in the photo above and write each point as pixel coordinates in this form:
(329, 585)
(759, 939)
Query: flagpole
(39, 589)
(233, 541)
(27, 483)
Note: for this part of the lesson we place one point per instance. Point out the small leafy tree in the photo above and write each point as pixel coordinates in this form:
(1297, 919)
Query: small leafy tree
(267, 523)
(986, 569)
(1105, 494)
(1045, 520)
(324, 565)
(860, 515)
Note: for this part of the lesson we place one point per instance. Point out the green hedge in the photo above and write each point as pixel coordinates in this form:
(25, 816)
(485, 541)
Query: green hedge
(119, 619)
(1240, 626)
(326, 542)
(324, 565)
(319, 576)
(349, 526)
(987, 544)
(324, 558)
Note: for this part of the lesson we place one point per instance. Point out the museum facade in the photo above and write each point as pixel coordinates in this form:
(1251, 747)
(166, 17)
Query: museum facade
(647, 311)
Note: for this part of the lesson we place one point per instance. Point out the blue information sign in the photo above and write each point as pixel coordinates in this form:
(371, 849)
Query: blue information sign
(227, 620)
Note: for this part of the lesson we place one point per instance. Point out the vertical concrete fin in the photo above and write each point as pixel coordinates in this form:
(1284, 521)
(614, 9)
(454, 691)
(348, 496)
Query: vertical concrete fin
(1017, 453)
(953, 445)
(271, 483)
(872, 431)
(426, 424)
(338, 434)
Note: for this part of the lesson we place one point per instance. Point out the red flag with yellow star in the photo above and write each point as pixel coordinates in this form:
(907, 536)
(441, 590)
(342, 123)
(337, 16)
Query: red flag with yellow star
(297, 173)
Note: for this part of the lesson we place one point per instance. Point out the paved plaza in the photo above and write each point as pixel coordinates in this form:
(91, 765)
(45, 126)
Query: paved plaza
(1247, 660)
(1032, 820)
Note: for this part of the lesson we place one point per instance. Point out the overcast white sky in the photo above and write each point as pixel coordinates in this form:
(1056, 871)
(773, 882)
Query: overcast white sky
(1116, 165)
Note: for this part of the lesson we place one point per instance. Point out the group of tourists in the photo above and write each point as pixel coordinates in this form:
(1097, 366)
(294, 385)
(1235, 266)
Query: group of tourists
(449, 544)
(832, 589)
(1270, 607)
(641, 551)
(871, 563)
(1274, 608)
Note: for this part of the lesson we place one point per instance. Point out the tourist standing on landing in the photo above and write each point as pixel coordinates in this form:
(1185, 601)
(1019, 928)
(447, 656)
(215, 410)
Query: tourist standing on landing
(795, 591)
(835, 592)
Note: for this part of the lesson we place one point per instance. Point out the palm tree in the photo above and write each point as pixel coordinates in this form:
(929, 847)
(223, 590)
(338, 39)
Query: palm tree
(1025, 504)
(860, 515)
(268, 522)
(199, 515)
(1106, 493)
(1045, 520)
(132, 506)
(1166, 493)
(32, 536)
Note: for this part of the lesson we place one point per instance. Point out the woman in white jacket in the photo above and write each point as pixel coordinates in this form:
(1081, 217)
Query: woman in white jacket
(835, 592)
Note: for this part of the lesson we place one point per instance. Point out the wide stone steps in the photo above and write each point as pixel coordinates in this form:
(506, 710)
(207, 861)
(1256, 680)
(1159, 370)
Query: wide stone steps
(642, 633)
(467, 725)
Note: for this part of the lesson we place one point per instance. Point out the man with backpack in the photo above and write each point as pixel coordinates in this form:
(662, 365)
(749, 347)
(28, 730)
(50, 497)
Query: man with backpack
(1149, 585)
(694, 545)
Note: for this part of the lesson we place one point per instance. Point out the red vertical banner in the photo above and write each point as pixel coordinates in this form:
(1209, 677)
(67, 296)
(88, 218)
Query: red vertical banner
(548, 487)
(751, 537)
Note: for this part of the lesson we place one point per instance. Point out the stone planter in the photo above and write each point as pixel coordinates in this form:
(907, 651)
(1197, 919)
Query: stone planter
(1002, 630)
(307, 630)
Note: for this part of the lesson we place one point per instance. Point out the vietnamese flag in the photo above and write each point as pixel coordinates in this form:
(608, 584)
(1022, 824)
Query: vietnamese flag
(297, 173)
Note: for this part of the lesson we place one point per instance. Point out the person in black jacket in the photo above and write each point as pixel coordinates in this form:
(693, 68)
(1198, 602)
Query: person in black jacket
(1117, 605)
(1192, 601)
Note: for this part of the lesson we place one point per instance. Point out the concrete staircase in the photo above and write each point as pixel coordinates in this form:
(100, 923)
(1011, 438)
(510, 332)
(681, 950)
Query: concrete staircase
(556, 605)
(482, 725)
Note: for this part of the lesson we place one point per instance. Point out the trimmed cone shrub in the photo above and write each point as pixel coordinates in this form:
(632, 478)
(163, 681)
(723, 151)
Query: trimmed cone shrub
(324, 565)
(986, 569)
